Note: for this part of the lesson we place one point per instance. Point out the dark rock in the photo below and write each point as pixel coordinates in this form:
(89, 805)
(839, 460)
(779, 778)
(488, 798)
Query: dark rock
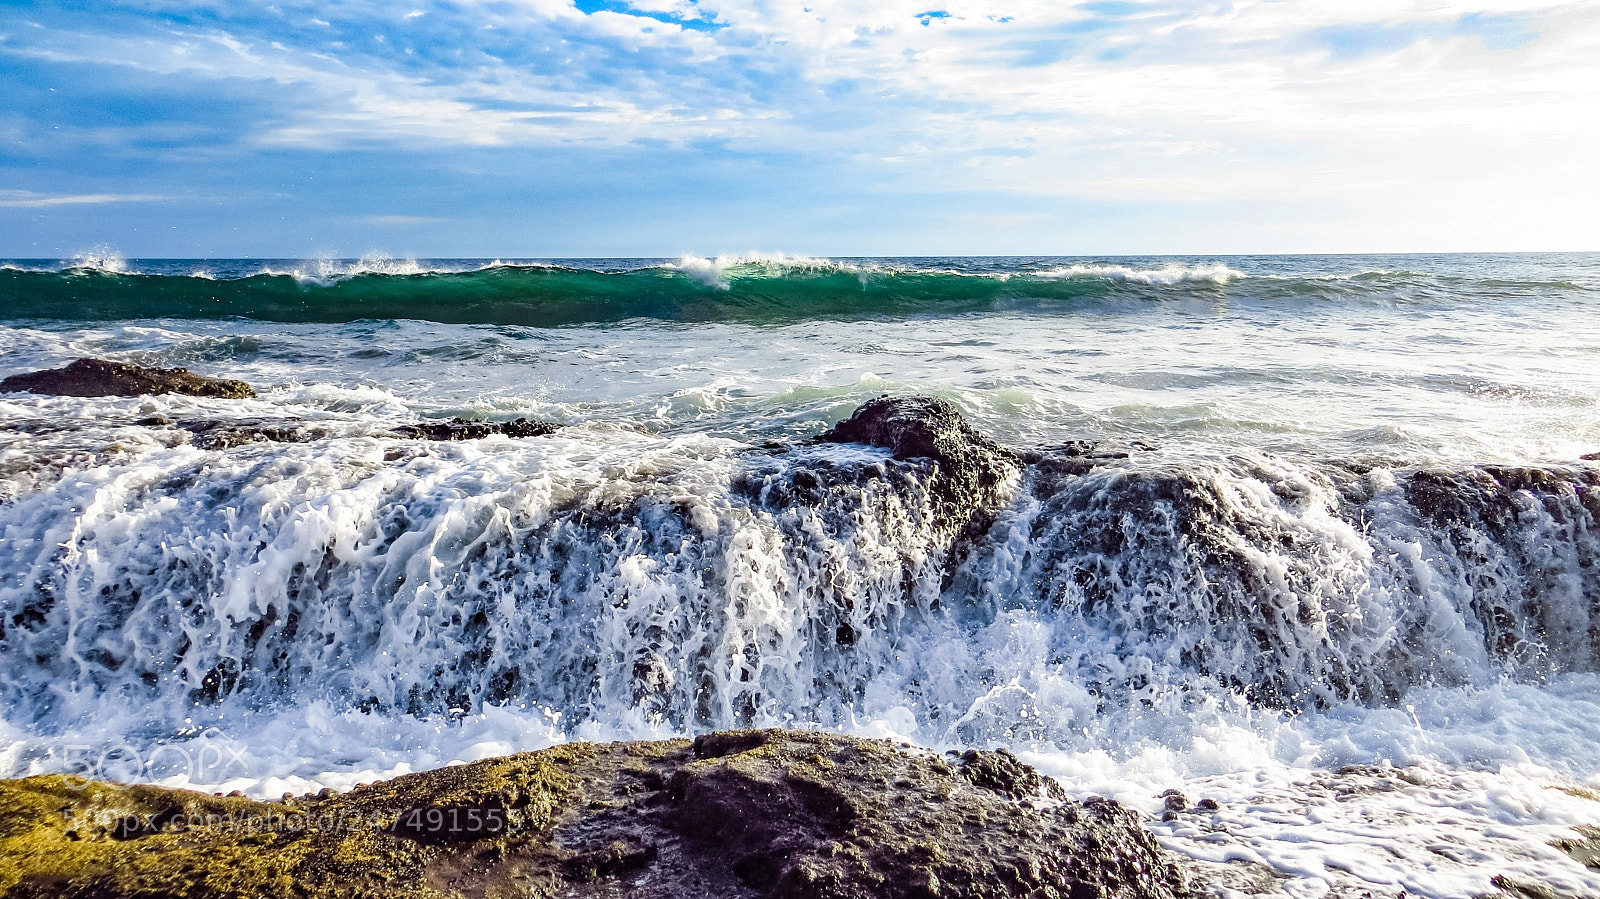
(1175, 801)
(1496, 495)
(1523, 889)
(228, 434)
(1052, 467)
(1005, 774)
(1500, 521)
(99, 377)
(462, 429)
(744, 815)
(1590, 457)
(972, 470)
(1107, 534)
(715, 746)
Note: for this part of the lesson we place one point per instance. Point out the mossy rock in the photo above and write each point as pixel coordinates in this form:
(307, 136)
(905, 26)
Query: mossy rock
(66, 837)
(745, 814)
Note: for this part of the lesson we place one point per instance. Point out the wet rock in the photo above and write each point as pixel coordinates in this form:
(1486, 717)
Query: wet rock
(99, 377)
(1051, 466)
(229, 434)
(1512, 888)
(1005, 774)
(746, 814)
(972, 471)
(462, 429)
(1500, 522)
(1584, 848)
(1121, 532)
(1175, 801)
(1496, 496)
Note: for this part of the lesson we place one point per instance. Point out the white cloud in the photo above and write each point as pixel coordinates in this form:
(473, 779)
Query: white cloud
(27, 199)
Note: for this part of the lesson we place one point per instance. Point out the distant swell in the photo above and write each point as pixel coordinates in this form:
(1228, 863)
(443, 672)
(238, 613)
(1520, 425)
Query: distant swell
(690, 290)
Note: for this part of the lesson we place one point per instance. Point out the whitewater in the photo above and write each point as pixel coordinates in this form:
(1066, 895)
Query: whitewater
(1312, 538)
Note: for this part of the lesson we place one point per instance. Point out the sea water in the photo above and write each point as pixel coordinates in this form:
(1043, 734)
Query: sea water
(1246, 599)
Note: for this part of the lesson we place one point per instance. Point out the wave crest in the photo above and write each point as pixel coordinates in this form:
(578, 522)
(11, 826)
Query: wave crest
(1167, 275)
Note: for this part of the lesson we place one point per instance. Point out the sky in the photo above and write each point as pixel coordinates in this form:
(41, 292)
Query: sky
(559, 128)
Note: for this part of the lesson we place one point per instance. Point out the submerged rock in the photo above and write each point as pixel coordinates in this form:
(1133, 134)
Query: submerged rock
(100, 377)
(227, 435)
(462, 429)
(742, 814)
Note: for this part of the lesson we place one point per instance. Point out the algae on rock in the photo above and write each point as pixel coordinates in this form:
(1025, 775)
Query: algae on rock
(742, 814)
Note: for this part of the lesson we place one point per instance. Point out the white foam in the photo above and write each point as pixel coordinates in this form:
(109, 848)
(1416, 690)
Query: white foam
(720, 271)
(327, 271)
(1167, 275)
(102, 259)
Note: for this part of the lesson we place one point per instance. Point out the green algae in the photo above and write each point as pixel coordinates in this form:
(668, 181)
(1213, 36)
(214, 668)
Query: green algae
(775, 814)
(65, 837)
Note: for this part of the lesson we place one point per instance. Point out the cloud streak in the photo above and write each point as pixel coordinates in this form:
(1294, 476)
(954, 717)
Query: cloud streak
(24, 199)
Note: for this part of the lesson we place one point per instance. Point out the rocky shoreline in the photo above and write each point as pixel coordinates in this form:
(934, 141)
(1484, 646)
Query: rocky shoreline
(735, 814)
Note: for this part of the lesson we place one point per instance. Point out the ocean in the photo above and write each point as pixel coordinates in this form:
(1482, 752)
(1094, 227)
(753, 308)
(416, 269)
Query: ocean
(1311, 537)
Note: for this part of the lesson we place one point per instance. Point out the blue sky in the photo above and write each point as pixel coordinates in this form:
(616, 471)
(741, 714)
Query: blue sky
(660, 127)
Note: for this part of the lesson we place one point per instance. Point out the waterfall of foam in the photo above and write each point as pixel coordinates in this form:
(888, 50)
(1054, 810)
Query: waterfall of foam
(686, 583)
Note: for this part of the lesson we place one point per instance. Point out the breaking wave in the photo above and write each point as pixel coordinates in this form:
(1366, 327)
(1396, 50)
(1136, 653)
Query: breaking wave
(756, 289)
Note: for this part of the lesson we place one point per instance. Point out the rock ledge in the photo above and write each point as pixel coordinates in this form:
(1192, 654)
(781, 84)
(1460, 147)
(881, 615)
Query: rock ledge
(99, 377)
(739, 814)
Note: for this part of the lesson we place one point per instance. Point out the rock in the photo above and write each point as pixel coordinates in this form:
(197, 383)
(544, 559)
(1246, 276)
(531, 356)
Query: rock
(229, 434)
(1495, 496)
(462, 429)
(1054, 465)
(1512, 888)
(1486, 515)
(99, 377)
(1175, 801)
(743, 814)
(972, 471)
(1005, 774)
(1585, 848)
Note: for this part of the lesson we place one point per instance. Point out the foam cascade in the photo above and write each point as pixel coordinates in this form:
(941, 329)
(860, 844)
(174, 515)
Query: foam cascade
(658, 584)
